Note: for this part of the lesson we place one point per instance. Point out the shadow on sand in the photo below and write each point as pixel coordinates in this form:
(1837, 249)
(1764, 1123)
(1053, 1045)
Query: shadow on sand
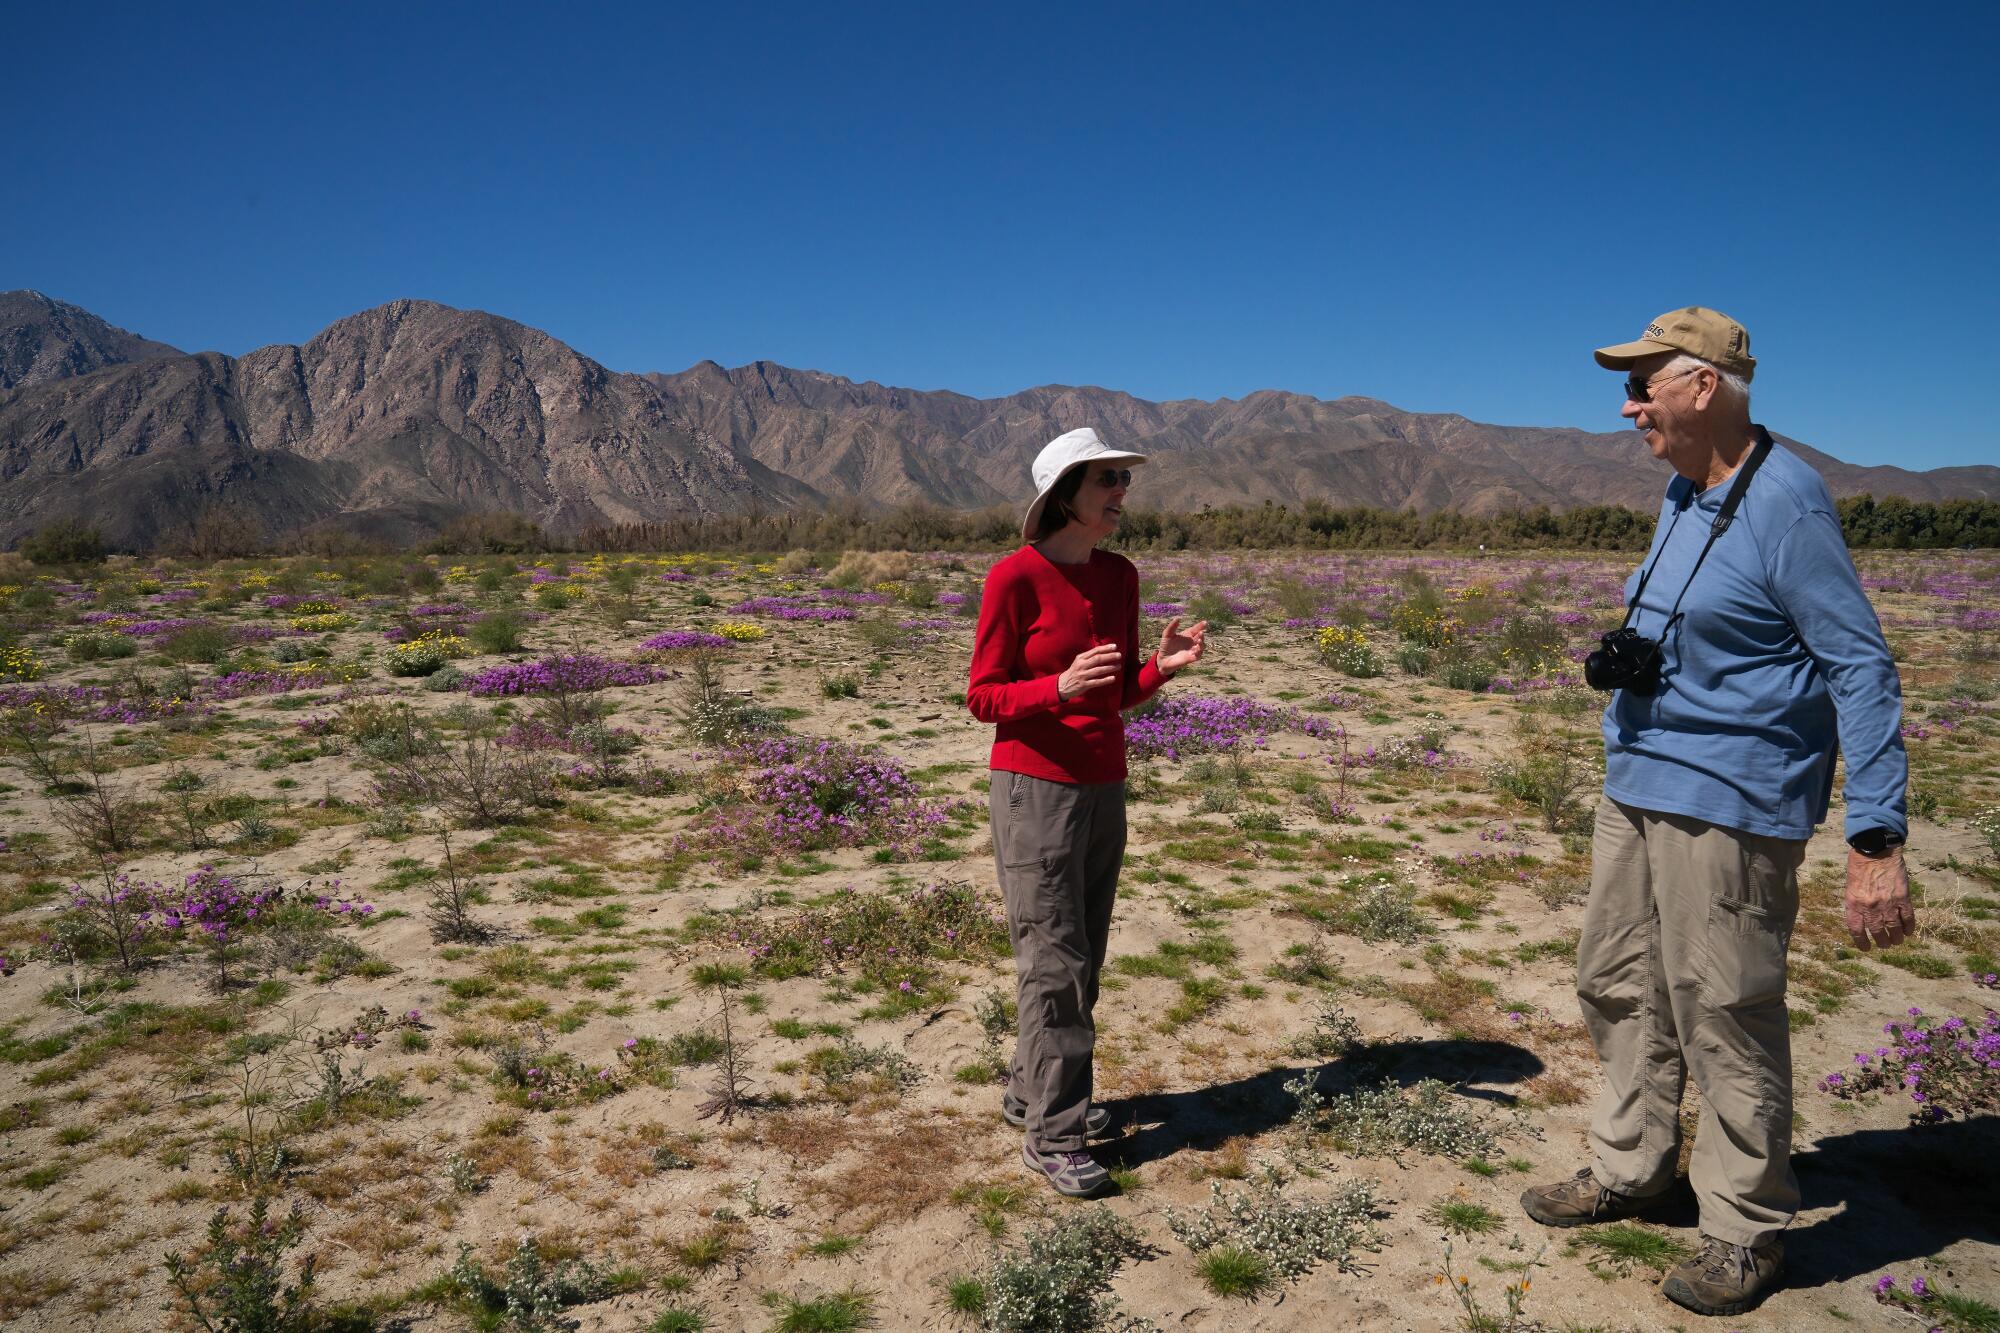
(1203, 1119)
(1903, 1194)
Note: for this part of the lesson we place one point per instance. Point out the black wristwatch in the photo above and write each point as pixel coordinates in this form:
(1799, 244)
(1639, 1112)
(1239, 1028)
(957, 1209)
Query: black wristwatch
(1875, 841)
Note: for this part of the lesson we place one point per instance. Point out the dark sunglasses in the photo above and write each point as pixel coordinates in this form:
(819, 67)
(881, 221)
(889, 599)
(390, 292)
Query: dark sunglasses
(1639, 390)
(1112, 478)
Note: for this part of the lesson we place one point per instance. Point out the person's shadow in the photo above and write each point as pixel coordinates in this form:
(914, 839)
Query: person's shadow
(1158, 1125)
(1903, 1194)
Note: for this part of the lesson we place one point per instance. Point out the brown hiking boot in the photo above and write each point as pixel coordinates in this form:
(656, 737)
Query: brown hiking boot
(1725, 1278)
(1581, 1200)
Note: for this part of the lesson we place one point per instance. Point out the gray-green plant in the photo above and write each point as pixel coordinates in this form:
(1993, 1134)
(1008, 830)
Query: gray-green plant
(237, 1284)
(1059, 1278)
(1987, 825)
(1293, 1236)
(1333, 1034)
(530, 1292)
(463, 1174)
(1386, 910)
(1384, 1119)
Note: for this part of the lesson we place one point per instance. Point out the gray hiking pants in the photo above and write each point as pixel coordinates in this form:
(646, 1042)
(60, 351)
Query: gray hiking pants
(1058, 846)
(1681, 970)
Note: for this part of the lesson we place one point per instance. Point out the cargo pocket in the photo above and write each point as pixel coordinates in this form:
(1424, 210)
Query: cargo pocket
(1021, 841)
(1750, 925)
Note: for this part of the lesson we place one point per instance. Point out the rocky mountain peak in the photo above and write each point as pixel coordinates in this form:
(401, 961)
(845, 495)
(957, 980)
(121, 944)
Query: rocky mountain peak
(43, 339)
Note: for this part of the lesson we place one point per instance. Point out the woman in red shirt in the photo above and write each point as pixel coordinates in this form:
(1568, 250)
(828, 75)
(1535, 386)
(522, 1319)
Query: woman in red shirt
(1054, 664)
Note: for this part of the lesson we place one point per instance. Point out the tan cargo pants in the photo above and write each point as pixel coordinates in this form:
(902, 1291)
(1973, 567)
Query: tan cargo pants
(1059, 846)
(1681, 970)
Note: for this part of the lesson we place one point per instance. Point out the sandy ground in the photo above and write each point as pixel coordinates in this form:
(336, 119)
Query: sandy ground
(134, 1133)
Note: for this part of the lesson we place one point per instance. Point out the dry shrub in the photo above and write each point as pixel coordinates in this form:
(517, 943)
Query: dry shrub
(864, 569)
(1555, 1088)
(808, 1138)
(512, 1153)
(628, 1158)
(1460, 1004)
(490, 534)
(901, 1171)
(221, 531)
(472, 779)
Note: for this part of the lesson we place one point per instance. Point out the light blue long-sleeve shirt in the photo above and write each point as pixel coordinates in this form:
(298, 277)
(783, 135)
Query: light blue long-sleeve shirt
(1777, 659)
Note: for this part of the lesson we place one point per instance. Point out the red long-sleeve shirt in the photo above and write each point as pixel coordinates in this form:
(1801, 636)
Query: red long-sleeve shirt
(1034, 618)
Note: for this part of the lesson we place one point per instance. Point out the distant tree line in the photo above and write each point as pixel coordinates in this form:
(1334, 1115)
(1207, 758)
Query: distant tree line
(1892, 523)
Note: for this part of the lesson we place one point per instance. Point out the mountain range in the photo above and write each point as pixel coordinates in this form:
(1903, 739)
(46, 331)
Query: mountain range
(393, 421)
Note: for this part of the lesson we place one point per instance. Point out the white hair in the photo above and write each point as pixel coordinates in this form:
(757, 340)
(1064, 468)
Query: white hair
(1733, 386)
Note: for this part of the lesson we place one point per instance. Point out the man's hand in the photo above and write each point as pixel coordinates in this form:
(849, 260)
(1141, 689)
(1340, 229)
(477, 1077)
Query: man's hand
(1878, 899)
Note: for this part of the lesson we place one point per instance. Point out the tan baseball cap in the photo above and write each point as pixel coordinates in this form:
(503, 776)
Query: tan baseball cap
(1696, 330)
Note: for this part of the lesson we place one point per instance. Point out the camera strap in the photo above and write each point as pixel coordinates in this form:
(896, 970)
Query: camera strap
(1723, 518)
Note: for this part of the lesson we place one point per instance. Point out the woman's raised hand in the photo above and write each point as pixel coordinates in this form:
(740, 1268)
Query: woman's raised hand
(1092, 668)
(1179, 649)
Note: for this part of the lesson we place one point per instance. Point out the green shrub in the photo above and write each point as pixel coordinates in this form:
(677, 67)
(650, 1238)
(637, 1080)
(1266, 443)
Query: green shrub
(1212, 607)
(1530, 644)
(97, 646)
(497, 632)
(197, 643)
(65, 542)
(1460, 670)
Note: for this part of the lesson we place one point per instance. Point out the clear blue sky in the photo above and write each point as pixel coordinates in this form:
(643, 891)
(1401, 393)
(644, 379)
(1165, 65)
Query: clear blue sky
(1442, 206)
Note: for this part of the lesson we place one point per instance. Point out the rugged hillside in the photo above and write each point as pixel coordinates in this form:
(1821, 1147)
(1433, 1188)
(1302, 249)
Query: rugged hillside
(44, 339)
(391, 421)
(853, 439)
(394, 420)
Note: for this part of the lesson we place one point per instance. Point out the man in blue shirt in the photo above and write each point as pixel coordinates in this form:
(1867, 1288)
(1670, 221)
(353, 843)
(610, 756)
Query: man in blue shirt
(1718, 765)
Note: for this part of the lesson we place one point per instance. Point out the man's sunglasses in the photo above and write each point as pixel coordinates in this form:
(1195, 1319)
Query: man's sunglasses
(1112, 478)
(1639, 390)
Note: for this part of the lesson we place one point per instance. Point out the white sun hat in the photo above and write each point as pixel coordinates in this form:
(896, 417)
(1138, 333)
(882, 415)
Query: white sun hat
(1057, 457)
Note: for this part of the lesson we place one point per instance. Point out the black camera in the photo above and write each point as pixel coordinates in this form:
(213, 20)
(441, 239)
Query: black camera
(1627, 661)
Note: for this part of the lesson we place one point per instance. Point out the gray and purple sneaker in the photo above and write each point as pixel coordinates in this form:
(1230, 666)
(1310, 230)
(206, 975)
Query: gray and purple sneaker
(1015, 1112)
(1075, 1174)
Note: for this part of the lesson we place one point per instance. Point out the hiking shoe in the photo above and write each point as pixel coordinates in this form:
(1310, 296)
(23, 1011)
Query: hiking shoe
(1581, 1200)
(1095, 1121)
(1724, 1278)
(1076, 1174)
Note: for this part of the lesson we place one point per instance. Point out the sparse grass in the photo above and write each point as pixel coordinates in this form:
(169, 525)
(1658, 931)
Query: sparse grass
(1233, 1271)
(838, 1312)
(704, 1250)
(1624, 1246)
(965, 1296)
(1463, 1218)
